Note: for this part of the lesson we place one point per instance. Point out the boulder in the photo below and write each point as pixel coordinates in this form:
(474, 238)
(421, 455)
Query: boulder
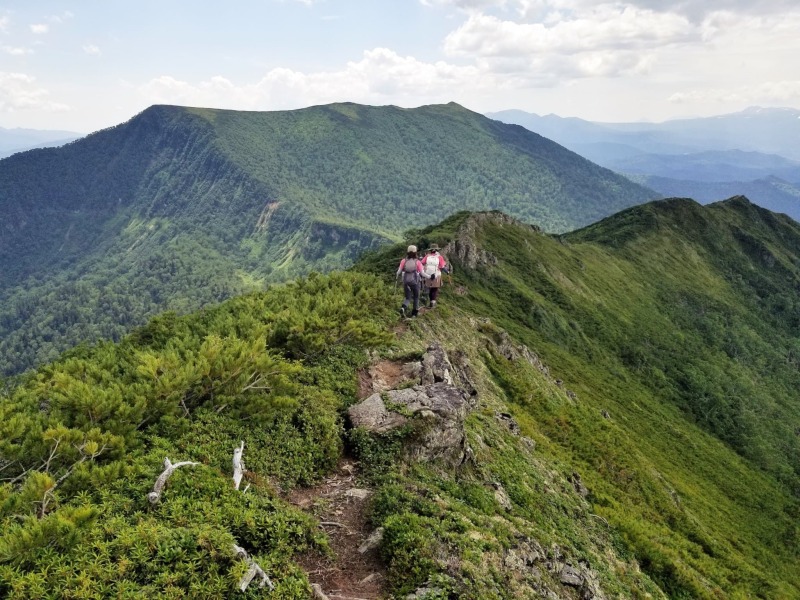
(437, 412)
(507, 421)
(436, 367)
(571, 576)
(372, 542)
(577, 483)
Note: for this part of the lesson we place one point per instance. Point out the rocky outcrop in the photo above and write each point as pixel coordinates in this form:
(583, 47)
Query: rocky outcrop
(549, 572)
(513, 351)
(435, 409)
(436, 367)
(465, 250)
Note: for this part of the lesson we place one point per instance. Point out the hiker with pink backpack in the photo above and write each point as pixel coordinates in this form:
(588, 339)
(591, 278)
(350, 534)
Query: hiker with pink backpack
(410, 270)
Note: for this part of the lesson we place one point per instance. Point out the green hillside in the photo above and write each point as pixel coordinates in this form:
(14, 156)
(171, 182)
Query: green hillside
(676, 328)
(630, 427)
(180, 207)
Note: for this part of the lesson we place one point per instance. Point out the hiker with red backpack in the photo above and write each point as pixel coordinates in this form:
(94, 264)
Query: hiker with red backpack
(433, 265)
(410, 270)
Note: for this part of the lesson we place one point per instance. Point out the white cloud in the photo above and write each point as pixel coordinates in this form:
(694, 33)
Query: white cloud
(40, 28)
(769, 92)
(92, 50)
(380, 76)
(19, 91)
(602, 29)
(468, 5)
(4, 20)
(65, 16)
(15, 51)
(604, 41)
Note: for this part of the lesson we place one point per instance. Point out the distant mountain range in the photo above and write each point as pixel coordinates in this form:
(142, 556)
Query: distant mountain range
(767, 130)
(180, 207)
(706, 159)
(18, 139)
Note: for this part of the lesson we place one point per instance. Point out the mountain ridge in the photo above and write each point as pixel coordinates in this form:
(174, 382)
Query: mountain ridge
(627, 403)
(151, 208)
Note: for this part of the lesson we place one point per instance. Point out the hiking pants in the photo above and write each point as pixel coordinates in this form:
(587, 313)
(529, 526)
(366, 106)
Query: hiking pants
(411, 290)
(433, 293)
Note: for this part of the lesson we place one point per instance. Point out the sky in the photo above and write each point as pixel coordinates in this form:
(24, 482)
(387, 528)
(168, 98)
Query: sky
(84, 65)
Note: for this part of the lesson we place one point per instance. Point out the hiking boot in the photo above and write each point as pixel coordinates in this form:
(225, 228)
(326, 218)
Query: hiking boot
(433, 303)
(414, 313)
(403, 312)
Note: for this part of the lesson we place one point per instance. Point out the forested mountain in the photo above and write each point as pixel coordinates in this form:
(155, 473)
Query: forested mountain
(618, 419)
(765, 179)
(180, 207)
(773, 193)
(709, 167)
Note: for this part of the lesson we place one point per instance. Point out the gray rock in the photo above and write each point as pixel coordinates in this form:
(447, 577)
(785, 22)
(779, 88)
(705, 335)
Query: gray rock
(571, 576)
(373, 415)
(577, 483)
(424, 592)
(436, 367)
(465, 251)
(464, 373)
(438, 410)
(411, 371)
(501, 495)
(372, 542)
(358, 493)
(524, 557)
(507, 421)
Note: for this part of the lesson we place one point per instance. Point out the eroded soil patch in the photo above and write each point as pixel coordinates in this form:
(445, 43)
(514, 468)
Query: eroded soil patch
(386, 375)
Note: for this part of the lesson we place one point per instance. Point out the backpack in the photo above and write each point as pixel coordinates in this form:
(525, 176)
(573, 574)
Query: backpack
(410, 271)
(430, 266)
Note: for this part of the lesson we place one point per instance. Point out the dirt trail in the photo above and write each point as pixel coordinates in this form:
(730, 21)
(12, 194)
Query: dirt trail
(340, 505)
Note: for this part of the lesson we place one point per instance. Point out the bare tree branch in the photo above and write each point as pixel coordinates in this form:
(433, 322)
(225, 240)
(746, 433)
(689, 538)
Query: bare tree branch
(158, 486)
(238, 465)
(255, 569)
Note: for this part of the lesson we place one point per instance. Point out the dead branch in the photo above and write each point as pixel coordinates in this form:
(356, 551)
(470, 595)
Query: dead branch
(52, 456)
(255, 569)
(238, 465)
(316, 589)
(158, 486)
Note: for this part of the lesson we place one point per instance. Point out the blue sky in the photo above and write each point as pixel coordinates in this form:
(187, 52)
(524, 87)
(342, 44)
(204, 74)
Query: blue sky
(83, 65)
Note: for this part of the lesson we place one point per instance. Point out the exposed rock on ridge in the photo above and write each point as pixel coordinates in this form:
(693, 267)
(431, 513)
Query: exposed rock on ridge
(436, 409)
(464, 248)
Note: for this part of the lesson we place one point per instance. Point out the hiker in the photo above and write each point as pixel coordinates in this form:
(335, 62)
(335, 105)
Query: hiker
(433, 265)
(410, 270)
